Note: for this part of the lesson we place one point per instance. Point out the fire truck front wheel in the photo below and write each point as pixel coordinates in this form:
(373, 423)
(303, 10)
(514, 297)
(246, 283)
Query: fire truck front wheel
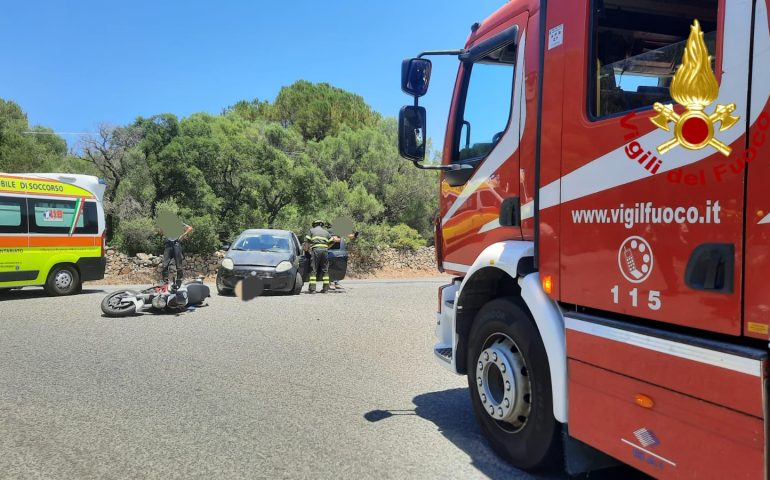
(510, 385)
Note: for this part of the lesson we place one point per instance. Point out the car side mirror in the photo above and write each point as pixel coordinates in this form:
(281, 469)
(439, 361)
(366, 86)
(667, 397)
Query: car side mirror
(411, 132)
(225, 246)
(415, 76)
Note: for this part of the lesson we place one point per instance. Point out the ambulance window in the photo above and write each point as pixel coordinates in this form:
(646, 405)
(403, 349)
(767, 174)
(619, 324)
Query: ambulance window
(90, 220)
(12, 219)
(486, 107)
(637, 46)
(57, 216)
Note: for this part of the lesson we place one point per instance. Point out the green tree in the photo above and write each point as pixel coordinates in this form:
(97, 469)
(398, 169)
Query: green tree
(109, 151)
(315, 151)
(24, 148)
(252, 111)
(317, 110)
(286, 175)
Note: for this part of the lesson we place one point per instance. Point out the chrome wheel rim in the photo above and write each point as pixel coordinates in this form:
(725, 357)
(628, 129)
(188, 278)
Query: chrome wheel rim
(503, 383)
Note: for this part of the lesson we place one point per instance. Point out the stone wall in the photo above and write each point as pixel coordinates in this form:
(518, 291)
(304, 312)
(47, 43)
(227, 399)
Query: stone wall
(145, 268)
(391, 261)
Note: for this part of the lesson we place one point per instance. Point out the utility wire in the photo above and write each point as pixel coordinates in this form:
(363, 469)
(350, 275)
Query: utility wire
(59, 133)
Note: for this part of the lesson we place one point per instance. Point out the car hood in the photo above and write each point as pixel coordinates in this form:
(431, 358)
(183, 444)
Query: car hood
(267, 259)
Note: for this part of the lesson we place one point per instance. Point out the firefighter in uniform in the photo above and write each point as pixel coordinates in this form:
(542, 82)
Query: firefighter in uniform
(318, 242)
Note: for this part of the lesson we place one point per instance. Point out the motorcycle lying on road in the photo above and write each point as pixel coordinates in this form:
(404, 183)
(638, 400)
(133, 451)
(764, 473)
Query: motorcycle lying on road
(155, 299)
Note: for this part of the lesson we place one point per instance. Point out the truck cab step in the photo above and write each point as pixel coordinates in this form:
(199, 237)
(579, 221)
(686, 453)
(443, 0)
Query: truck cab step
(443, 353)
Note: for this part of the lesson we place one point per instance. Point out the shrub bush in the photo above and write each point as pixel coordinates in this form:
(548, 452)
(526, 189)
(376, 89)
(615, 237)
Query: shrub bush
(400, 237)
(404, 237)
(204, 239)
(138, 235)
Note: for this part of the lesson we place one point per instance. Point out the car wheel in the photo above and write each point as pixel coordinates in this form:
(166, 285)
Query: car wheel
(62, 280)
(221, 289)
(298, 283)
(510, 385)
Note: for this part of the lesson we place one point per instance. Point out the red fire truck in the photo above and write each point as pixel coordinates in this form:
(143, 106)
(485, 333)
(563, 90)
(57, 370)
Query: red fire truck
(604, 210)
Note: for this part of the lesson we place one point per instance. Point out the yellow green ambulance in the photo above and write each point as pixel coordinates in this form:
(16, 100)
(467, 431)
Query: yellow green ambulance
(51, 231)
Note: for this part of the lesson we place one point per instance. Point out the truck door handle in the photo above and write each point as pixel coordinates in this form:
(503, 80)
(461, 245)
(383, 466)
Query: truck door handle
(711, 267)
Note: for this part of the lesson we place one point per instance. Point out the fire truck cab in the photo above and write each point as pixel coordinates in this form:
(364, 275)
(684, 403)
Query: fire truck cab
(610, 297)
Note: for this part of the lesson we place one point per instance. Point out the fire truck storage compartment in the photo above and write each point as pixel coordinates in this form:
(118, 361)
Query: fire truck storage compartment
(669, 408)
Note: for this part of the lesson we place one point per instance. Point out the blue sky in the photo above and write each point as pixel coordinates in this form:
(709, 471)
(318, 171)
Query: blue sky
(74, 64)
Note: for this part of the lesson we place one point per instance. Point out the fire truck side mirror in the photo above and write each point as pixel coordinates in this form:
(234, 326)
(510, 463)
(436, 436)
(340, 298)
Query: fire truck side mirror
(411, 133)
(415, 76)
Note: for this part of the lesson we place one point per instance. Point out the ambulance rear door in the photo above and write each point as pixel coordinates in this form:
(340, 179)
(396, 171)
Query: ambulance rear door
(14, 241)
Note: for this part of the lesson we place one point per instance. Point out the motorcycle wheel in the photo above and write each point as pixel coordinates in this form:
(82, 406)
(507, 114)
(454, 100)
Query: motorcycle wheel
(114, 305)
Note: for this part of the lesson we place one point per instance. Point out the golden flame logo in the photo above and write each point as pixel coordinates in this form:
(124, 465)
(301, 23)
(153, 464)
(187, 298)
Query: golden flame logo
(695, 87)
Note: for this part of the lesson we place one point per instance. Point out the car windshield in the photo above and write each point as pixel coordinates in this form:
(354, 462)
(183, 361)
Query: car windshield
(264, 243)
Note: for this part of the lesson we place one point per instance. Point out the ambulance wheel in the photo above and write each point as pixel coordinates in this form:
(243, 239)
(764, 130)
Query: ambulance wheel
(63, 280)
(510, 385)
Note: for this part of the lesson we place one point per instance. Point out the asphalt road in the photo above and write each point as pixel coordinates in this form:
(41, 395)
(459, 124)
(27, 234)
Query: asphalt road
(342, 385)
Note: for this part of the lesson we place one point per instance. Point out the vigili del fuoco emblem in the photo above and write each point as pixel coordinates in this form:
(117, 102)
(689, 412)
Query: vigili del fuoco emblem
(695, 87)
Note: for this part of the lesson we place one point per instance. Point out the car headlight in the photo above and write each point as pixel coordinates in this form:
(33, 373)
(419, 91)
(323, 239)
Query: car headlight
(228, 263)
(283, 267)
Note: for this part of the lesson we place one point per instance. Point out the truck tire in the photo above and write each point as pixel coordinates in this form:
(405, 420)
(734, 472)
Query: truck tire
(62, 280)
(510, 386)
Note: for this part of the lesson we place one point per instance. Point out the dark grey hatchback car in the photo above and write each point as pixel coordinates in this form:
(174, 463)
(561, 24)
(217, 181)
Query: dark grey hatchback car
(271, 255)
(276, 257)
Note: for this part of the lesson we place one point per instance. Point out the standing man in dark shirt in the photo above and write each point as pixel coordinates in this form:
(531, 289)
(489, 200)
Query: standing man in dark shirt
(318, 241)
(173, 249)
